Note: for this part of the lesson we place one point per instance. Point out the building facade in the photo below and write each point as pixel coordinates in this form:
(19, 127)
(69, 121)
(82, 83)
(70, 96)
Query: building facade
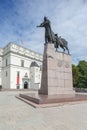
(20, 68)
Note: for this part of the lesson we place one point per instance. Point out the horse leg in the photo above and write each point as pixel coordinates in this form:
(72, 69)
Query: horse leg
(63, 49)
(56, 49)
(55, 45)
(67, 50)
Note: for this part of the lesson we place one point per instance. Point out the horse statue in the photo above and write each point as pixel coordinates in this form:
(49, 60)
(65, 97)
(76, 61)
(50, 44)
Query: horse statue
(51, 37)
(62, 43)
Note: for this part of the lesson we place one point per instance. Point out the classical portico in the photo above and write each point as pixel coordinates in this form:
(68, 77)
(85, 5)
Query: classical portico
(26, 81)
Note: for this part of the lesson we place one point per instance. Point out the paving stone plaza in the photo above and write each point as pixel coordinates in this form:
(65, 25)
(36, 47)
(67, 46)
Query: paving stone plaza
(17, 115)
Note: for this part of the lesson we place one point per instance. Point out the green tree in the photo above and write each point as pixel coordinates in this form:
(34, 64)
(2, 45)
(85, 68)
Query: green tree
(80, 74)
(82, 66)
(76, 74)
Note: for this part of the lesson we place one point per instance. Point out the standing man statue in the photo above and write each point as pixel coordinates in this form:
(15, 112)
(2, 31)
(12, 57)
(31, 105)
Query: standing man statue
(48, 32)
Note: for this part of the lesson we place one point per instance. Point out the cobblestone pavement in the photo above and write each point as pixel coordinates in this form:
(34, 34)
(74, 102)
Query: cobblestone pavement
(17, 115)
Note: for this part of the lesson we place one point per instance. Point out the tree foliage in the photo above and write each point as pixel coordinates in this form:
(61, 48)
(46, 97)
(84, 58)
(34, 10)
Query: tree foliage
(80, 74)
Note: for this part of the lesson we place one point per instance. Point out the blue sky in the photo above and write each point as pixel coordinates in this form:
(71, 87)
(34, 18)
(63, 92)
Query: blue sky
(19, 18)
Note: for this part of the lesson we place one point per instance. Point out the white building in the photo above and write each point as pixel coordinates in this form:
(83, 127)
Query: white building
(20, 68)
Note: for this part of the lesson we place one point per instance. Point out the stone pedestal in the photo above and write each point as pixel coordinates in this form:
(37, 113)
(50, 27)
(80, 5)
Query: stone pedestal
(56, 72)
(56, 84)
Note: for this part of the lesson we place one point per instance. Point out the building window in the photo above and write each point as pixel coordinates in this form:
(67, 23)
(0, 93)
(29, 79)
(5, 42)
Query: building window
(6, 74)
(0, 63)
(17, 73)
(6, 62)
(18, 77)
(22, 63)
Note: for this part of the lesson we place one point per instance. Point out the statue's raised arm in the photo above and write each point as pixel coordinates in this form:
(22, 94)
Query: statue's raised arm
(41, 25)
(48, 31)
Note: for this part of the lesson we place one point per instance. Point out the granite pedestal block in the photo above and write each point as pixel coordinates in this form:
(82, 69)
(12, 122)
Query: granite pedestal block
(56, 72)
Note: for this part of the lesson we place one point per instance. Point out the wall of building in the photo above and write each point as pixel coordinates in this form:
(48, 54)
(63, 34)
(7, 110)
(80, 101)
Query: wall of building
(6, 77)
(13, 73)
(35, 77)
(16, 59)
(6, 71)
(0, 70)
(1, 54)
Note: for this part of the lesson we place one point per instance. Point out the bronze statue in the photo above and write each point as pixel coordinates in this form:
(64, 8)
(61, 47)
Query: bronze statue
(53, 38)
(49, 35)
(62, 43)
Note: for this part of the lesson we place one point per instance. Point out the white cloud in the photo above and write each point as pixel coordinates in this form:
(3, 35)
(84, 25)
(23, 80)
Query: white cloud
(68, 19)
